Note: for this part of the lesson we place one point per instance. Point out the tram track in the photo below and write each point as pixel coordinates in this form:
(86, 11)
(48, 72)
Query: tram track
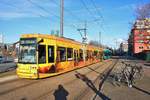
(38, 81)
(70, 82)
(107, 72)
(87, 73)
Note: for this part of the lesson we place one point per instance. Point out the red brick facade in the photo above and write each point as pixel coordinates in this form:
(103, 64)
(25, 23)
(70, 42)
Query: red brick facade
(139, 39)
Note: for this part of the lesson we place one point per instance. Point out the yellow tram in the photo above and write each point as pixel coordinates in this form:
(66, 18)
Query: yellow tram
(46, 55)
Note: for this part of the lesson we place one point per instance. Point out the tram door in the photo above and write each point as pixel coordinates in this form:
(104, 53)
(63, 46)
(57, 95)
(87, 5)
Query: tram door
(75, 57)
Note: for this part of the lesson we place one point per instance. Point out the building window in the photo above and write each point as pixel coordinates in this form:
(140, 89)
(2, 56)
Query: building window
(50, 54)
(61, 54)
(69, 53)
(147, 37)
(140, 41)
(141, 47)
(42, 53)
(141, 35)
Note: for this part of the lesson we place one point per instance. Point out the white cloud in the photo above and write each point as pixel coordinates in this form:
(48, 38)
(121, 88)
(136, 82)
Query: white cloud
(11, 15)
(127, 7)
(24, 9)
(119, 40)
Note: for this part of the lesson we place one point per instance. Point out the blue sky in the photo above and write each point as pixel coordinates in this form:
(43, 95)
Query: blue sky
(22, 16)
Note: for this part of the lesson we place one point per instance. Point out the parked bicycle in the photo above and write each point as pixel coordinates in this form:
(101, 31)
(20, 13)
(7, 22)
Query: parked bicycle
(129, 74)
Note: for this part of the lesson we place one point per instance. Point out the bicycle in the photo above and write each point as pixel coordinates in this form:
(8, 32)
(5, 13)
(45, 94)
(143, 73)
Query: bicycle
(129, 74)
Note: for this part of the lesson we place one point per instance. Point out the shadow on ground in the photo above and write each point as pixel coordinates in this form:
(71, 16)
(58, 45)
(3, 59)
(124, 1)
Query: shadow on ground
(91, 85)
(141, 90)
(61, 93)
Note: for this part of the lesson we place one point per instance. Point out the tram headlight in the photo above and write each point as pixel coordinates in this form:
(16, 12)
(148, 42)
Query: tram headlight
(34, 70)
(33, 67)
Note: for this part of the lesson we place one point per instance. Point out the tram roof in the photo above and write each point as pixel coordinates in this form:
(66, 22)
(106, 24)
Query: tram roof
(47, 36)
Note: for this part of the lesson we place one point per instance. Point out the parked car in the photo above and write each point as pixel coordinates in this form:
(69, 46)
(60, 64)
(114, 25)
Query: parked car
(2, 59)
(16, 60)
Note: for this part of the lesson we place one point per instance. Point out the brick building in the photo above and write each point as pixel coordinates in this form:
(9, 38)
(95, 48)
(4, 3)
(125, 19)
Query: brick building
(139, 39)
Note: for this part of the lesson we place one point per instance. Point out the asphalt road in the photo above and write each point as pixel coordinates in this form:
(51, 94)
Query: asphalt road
(140, 89)
(73, 85)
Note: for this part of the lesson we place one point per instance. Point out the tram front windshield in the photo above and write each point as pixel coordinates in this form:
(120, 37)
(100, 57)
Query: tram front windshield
(27, 53)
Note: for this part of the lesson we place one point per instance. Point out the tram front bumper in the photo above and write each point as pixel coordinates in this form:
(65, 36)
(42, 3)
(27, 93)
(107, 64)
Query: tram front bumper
(24, 74)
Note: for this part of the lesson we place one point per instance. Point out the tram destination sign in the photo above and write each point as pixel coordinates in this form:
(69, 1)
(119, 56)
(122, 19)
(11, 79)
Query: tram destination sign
(28, 41)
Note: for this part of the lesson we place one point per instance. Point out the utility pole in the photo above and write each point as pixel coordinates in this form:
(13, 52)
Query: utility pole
(116, 43)
(84, 30)
(100, 44)
(61, 18)
(84, 39)
(1, 38)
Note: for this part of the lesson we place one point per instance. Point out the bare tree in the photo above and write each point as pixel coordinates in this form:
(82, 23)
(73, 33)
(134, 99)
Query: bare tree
(95, 43)
(143, 11)
(52, 32)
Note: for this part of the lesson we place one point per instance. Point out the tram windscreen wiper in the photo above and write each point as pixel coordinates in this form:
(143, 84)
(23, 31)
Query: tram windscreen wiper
(27, 62)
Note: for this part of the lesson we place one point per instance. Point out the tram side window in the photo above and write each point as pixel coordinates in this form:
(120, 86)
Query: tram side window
(42, 53)
(69, 53)
(100, 54)
(75, 55)
(62, 53)
(95, 53)
(90, 54)
(50, 54)
(87, 53)
(80, 54)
